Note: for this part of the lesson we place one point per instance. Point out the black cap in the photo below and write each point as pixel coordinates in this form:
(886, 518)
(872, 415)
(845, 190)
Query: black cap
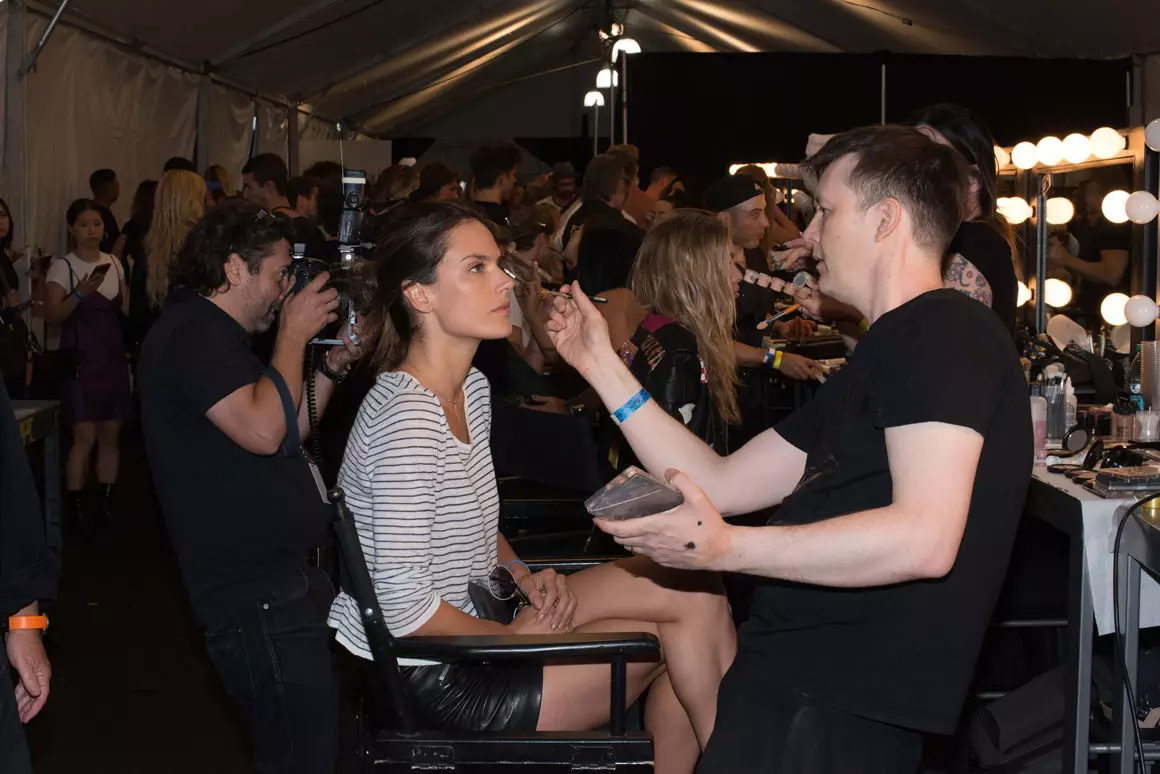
(564, 171)
(730, 191)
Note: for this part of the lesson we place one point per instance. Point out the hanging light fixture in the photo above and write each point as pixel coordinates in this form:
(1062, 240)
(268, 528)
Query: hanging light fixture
(607, 78)
(593, 99)
(627, 45)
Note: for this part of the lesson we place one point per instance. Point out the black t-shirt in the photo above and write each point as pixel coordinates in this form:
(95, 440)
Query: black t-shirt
(902, 654)
(989, 255)
(496, 213)
(112, 233)
(240, 522)
(1093, 239)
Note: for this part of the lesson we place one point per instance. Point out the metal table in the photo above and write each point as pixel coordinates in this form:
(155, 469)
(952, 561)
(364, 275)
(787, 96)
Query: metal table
(1139, 550)
(39, 421)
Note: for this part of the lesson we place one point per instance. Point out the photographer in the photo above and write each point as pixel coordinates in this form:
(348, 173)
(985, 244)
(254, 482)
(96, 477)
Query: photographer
(223, 436)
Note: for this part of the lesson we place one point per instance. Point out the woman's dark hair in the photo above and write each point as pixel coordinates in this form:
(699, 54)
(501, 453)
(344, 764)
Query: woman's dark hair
(143, 200)
(970, 137)
(607, 255)
(77, 207)
(6, 242)
(412, 244)
(679, 199)
(235, 226)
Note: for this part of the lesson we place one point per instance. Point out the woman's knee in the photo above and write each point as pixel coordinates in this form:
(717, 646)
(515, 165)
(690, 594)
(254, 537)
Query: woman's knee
(84, 434)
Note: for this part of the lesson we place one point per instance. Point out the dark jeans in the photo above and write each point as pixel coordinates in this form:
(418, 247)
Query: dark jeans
(766, 730)
(274, 658)
(13, 750)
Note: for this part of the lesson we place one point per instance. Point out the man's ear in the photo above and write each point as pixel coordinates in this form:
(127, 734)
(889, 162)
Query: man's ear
(235, 269)
(889, 216)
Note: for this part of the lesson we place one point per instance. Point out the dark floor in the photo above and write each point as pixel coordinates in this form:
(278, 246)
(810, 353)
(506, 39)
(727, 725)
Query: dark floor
(132, 689)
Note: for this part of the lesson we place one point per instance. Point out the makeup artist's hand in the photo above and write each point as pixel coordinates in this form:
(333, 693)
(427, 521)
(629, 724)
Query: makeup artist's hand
(801, 368)
(578, 331)
(794, 329)
(793, 257)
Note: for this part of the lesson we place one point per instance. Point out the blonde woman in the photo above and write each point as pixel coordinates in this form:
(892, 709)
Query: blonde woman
(218, 185)
(178, 205)
(682, 350)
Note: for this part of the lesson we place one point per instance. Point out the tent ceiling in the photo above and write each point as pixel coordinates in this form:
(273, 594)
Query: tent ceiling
(389, 66)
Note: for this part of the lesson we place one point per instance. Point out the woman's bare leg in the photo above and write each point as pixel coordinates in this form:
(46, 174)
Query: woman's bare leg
(108, 452)
(577, 696)
(84, 435)
(692, 619)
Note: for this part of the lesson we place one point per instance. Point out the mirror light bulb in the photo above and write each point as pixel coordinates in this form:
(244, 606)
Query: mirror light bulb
(1056, 293)
(1076, 148)
(1024, 155)
(1014, 209)
(1141, 311)
(1112, 309)
(1107, 142)
(1024, 295)
(1002, 157)
(1060, 210)
(1152, 134)
(1049, 151)
(1141, 207)
(1115, 206)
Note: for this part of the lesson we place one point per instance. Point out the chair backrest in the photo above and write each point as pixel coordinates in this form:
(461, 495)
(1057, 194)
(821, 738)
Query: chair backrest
(356, 581)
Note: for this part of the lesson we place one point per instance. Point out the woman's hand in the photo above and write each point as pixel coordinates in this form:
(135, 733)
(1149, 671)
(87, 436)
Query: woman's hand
(89, 284)
(553, 601)
(800, 368)
(339, 359)
(578, 331)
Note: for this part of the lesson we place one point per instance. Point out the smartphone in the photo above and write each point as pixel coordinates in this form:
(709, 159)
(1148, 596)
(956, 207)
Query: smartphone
(631, 495)
(100, 272)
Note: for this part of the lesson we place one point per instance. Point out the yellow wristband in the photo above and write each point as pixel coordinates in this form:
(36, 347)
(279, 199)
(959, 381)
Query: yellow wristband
(777, 360)
(864, 325)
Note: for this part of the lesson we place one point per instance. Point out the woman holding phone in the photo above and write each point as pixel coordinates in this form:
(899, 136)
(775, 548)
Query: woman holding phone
(86, 296)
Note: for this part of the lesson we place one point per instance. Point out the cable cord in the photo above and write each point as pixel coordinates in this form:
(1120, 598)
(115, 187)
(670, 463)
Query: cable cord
(1141, 765)
(312, 408)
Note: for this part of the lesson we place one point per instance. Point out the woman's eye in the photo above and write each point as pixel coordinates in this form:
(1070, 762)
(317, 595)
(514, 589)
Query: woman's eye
(476, 267)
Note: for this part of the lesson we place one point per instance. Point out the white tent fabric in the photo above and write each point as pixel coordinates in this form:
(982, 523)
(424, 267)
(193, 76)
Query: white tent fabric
(95, 106)
(231, 131)
(272, 128)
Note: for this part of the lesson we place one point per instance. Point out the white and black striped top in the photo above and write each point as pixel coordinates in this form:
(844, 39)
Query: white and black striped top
(425, 504)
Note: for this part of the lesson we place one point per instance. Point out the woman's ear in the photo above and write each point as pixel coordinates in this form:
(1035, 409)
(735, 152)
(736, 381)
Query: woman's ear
(418, 297)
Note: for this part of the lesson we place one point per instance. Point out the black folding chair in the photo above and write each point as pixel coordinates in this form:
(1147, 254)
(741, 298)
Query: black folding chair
(392, 741)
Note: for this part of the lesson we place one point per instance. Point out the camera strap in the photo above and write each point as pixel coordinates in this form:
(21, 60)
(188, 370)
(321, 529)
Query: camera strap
(292, 445)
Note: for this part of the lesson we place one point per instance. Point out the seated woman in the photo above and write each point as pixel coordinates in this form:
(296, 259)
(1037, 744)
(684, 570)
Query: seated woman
(682, 349)
(419, 480)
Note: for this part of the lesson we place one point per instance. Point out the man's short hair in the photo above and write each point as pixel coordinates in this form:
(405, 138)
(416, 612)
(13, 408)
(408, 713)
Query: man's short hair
(602, 177)
(492, 161)
(325, 170)
(929, 180)
(268, 168)
(100, 179)
(660, 173)
(179, 162)
(432, 178)
(631, 156)
(303, 185)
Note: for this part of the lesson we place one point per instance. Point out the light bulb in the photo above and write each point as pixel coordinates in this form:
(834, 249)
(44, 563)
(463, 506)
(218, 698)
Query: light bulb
(1060, 210)
(1076, 148)
(627, 45)
(1141, 207)
(1107, 142)
(1024, 295)
(616, 29)
(733, 169)
(1015, 210)
(1002, 157)
(1056, 293)
(1049, 151)
(1115, 206)
(1141, 311)
(606, 78)
(1024, 155)
(1152, 134)
(1112, 309)
(593, 99)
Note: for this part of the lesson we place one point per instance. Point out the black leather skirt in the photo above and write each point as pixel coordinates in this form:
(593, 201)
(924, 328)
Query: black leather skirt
(476, 697)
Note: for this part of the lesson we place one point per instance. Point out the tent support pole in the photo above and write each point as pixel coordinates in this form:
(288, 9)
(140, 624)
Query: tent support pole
(30, 62)
(204, 87)
(292, 139)
(15, 145)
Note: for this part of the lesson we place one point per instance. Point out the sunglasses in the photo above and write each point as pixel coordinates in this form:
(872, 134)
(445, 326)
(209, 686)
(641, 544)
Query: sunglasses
(502, 585)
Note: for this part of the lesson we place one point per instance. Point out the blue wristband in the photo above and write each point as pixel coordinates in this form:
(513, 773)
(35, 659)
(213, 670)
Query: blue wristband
(508, 566)
(630, 406)
(767, 361)
(78, 295)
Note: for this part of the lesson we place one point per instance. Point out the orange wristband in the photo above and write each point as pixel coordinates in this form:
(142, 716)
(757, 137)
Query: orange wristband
(24, 622)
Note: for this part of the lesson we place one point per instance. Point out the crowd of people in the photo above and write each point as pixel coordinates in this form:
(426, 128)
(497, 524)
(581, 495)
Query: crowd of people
(631, 310)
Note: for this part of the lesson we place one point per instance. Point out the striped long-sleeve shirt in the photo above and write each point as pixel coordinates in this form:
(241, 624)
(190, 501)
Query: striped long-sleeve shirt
(425, 505)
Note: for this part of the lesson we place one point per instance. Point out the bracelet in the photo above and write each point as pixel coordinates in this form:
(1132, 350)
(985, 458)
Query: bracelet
(78, 295)
(508, 566)
(864, 325)
(777, 360)
(621, 415)
(330, 373)
(770, 354)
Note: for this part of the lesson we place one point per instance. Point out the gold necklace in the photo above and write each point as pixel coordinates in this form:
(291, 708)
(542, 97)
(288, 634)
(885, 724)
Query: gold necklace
(415, 372)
